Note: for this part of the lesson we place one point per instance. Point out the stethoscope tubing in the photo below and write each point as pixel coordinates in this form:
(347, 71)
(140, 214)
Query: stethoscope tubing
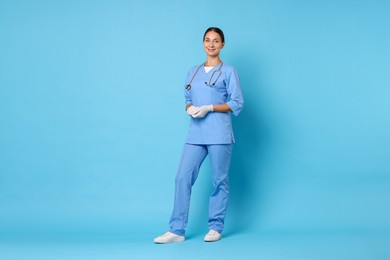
(188, 86)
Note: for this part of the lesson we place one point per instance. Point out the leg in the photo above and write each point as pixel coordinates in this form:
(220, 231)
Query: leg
(191, 160)
(220, 156)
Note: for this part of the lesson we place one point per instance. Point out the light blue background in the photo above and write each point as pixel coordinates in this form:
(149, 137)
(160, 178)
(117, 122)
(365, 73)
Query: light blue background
(92, 125)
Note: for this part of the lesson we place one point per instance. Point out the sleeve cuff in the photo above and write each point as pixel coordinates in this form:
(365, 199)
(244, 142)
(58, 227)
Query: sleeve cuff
(235, 107)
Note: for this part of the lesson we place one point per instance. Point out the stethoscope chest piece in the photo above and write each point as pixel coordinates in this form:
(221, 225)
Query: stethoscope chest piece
(188, 87)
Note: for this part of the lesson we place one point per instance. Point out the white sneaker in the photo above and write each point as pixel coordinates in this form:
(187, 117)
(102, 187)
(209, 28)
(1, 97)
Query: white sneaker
(168, 237)
(212, 236)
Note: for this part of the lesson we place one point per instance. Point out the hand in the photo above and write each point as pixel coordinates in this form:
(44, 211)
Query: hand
(202, 111)
(192, 110)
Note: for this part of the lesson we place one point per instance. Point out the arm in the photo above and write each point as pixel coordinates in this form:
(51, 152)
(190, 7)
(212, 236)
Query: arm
(217, 108)
(221, 108)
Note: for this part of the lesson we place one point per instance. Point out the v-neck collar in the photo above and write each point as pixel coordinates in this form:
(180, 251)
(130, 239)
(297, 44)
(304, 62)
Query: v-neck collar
(208, 69)
(213, 68)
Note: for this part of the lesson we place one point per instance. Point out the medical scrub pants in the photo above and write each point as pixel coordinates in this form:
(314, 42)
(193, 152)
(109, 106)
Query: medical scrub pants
(191, 160)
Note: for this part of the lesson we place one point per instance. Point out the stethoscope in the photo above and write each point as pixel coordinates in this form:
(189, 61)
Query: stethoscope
(188, 87)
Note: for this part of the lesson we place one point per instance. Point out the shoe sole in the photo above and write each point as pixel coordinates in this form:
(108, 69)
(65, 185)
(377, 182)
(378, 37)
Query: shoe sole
(173, 241)
(206, 240)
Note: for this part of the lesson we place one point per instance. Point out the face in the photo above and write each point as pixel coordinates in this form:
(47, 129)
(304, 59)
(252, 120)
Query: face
(212, 44)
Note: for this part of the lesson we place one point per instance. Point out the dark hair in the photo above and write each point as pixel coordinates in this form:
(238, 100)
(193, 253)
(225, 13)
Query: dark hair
(217, 30)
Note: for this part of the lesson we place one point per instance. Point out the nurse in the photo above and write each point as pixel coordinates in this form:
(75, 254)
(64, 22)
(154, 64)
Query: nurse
(212, 93)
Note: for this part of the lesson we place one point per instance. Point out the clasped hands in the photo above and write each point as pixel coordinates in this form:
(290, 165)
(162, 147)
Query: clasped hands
(198, 112)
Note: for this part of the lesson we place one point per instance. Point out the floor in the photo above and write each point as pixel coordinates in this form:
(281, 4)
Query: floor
(269, 245)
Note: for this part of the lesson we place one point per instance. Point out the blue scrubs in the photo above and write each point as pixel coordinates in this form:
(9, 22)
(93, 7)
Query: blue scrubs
(211, 135)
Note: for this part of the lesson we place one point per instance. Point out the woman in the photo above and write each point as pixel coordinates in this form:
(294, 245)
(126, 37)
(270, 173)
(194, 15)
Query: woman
(212, 92)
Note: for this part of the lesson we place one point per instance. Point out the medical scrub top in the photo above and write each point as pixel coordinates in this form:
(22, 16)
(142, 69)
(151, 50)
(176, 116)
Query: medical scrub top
(215, 127)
